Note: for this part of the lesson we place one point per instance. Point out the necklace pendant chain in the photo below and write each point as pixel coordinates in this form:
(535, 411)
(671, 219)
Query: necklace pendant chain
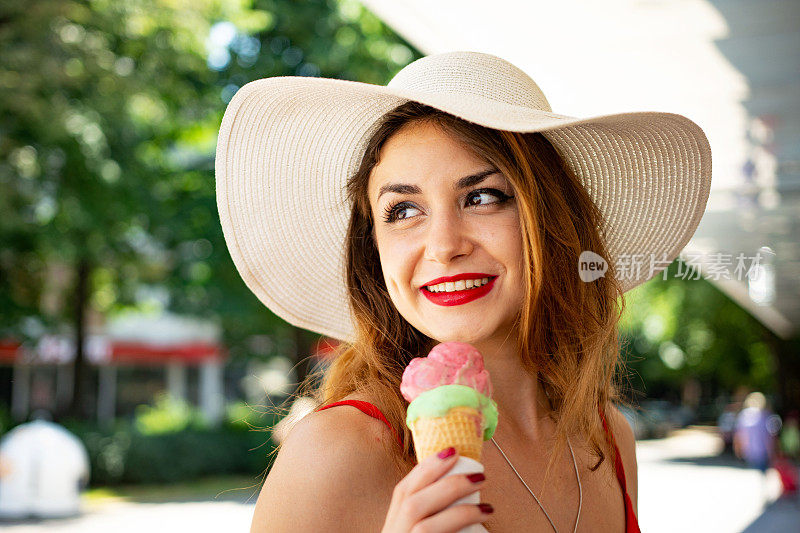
(577, 476)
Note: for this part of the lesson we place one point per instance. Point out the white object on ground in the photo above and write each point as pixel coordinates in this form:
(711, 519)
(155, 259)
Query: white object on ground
(42, 470)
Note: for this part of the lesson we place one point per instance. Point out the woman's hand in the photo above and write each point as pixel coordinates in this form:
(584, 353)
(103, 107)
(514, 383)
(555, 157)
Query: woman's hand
(420, 500)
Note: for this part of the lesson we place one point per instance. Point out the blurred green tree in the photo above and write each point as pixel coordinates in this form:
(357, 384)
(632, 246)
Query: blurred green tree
(680, 332)
(94, 95)
(108, 120)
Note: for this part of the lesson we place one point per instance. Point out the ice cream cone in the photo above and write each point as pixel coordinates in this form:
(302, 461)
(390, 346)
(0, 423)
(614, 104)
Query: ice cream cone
(461, 428)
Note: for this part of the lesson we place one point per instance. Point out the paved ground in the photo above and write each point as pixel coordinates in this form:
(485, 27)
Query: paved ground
(683, 486)
(124, 517)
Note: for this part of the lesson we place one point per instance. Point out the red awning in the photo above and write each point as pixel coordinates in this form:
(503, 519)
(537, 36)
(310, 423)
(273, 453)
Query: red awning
(8, 350)
(136, 352)
(99, 351)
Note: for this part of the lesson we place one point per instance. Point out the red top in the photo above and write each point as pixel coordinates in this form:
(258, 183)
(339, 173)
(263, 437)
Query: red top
(631, 522)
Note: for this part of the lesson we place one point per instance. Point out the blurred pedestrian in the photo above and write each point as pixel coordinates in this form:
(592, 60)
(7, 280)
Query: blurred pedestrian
(726, 424)
(754, 439)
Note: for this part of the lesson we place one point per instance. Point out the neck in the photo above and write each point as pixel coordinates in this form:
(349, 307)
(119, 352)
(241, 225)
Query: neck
(521, 401)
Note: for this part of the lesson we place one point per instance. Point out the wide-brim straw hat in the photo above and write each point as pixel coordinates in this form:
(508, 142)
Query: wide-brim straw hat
(287, 146)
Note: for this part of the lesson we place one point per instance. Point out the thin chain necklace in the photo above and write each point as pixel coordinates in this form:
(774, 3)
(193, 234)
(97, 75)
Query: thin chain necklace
(580, 489)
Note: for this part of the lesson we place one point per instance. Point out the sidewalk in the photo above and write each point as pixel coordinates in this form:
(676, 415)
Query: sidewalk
(134, 517)
(781, 515)
(213, 504)
(685, 485)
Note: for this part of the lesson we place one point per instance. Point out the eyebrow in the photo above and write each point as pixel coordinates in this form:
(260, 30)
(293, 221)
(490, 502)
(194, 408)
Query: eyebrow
(463, 183)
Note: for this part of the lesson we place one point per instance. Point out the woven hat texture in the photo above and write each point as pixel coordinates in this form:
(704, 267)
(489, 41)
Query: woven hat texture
(287, 146)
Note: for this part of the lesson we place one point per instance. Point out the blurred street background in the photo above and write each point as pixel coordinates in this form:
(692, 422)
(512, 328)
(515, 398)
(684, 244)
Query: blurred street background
(139, 375)
(684, 486)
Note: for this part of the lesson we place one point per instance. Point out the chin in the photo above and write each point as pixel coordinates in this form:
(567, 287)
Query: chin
(457, 335)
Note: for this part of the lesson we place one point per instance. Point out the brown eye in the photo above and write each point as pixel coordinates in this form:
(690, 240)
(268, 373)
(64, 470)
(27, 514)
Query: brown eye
(499, 195)
(392, 212)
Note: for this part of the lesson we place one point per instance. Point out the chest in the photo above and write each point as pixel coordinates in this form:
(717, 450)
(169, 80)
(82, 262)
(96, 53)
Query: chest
(602, 508)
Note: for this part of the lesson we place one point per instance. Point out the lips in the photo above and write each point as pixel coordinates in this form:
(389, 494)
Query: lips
(448, 299)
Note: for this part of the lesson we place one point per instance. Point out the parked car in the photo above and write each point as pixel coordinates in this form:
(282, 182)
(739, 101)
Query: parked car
(659, 418)
(653, 419)
(682, 416)
(635, 420)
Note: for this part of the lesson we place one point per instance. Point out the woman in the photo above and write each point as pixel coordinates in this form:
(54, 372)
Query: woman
(345, 204)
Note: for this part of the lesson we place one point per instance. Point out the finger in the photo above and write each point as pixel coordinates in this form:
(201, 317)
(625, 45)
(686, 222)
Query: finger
(452, 520)
(439, 495)
(427, 471)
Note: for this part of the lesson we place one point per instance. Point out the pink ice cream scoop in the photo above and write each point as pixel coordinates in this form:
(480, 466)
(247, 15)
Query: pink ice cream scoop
(448, 363)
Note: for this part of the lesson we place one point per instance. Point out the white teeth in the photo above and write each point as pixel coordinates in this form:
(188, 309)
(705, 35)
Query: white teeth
(460, 285)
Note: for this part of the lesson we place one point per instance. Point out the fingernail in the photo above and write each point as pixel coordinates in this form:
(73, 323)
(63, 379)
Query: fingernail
(447, 452)
(478, 476)
(485, 508)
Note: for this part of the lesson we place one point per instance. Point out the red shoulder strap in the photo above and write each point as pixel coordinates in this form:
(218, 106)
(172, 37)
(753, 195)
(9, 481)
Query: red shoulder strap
(617, 459)
(631, 522)
(367, 408)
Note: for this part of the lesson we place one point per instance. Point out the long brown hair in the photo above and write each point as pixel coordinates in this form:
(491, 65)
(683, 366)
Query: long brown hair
(567, 328)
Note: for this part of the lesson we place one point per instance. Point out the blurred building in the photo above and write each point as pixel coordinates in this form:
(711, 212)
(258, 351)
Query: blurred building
(135, 356)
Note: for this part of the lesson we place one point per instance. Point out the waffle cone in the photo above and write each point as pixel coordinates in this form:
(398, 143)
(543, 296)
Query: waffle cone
(461, 428)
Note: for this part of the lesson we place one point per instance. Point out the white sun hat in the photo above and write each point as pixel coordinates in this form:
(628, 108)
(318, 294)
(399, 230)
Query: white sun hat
(287, 146)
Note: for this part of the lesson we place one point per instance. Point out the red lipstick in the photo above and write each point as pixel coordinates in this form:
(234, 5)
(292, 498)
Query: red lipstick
(458, 297)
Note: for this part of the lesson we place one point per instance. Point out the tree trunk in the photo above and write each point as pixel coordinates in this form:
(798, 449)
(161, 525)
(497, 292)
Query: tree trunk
(79, 407)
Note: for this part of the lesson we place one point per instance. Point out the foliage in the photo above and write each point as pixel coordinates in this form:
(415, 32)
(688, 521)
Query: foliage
(678, 329)
(123, 454)
(168, 415)
(6, 421)
(242, 416)
(93, 96)
(108, 120)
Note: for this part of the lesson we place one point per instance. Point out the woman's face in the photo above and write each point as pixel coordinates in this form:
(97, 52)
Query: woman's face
(442, 212)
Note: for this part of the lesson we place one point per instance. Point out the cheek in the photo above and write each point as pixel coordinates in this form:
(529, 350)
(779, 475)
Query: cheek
(513, 237)
(394, 250)
(394, 265)
(504, 240)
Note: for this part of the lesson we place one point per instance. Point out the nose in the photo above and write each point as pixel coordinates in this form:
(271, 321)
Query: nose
(446, 238)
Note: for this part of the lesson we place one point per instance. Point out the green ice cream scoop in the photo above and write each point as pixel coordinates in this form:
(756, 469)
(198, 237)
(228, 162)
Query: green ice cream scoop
(439, 400)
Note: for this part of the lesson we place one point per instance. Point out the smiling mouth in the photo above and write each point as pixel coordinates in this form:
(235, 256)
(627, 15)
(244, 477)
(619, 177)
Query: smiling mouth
(459, 286)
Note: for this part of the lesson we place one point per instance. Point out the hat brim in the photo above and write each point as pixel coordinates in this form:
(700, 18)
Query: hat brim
(287, 146)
